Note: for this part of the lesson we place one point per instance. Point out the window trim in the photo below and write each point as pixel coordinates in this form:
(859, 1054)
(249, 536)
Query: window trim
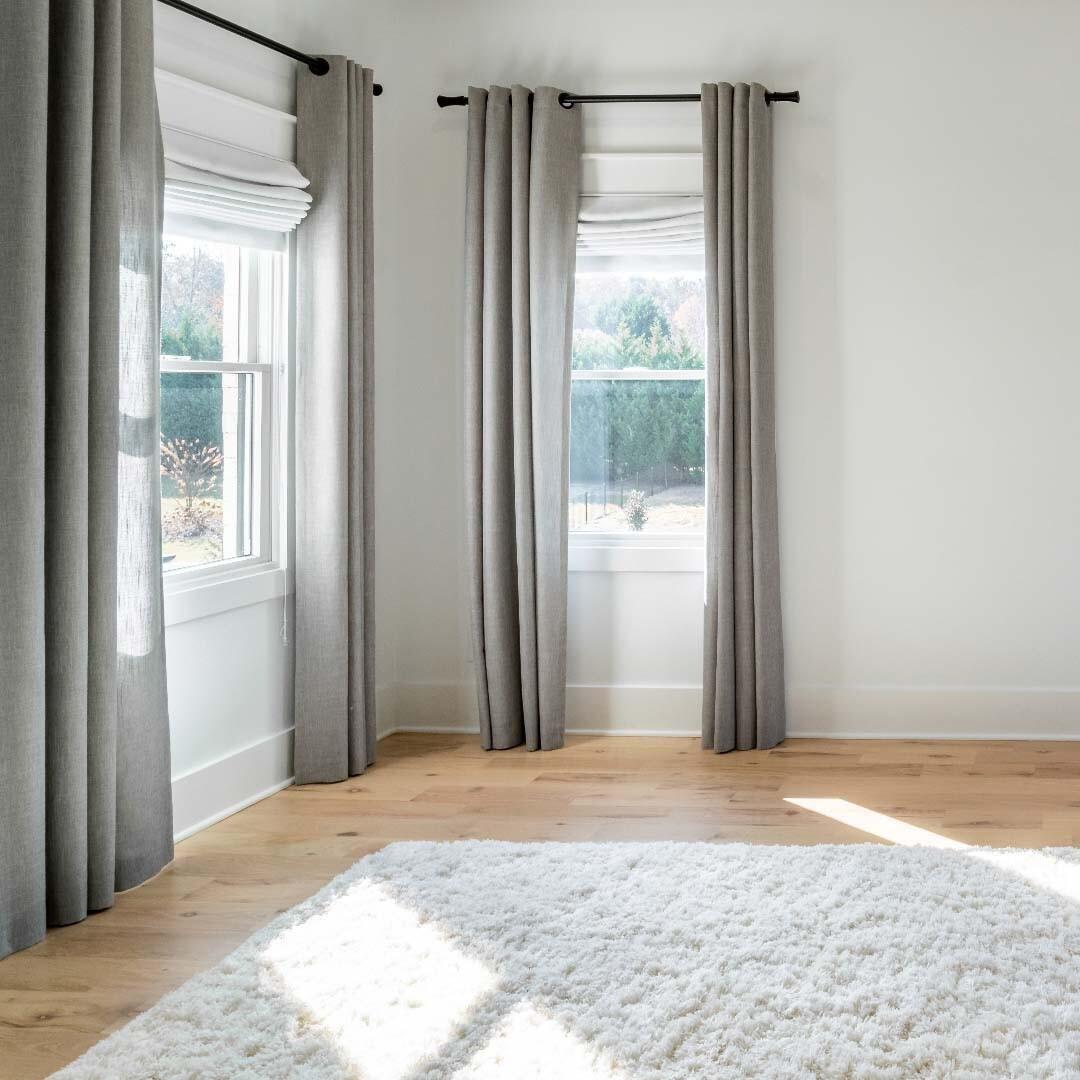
(264, 349)
(240, 586)
(636, 553)
(638, 375)
(634, 173)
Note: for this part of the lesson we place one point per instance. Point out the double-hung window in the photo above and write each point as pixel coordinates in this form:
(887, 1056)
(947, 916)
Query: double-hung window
(637, 403)
(222, 331)
(233, 195)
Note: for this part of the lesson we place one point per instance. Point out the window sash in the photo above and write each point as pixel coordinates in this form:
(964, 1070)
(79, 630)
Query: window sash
(184, 365)
(638, 375)
(256, 325)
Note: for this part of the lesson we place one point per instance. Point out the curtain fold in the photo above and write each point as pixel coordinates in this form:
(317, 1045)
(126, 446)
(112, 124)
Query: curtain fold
(743, 704)
(522, 189)
(335, 558)
(85, 796)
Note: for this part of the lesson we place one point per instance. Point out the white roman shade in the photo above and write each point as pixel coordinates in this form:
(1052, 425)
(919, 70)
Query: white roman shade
(620, 231)
(227, 176)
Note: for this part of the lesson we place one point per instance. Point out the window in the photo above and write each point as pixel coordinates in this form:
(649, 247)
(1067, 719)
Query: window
(221, 313)
(637, 404)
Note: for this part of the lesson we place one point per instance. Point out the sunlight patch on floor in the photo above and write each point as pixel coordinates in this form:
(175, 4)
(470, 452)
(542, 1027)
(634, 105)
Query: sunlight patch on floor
(1041, 869)
(528, 1045)
(384, 987)
(880, 825)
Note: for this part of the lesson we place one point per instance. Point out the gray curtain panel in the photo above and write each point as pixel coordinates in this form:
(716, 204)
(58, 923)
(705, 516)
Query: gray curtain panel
(335, 429)
(85, 797)
(744, 656)
(521, 223)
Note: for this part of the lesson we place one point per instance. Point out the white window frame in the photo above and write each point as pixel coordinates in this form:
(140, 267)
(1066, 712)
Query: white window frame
(262, 349)
(607, 173)
(635, 173)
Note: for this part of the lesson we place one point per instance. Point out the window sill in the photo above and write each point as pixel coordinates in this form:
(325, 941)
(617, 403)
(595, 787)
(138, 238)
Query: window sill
(619, 553)
(198, 597)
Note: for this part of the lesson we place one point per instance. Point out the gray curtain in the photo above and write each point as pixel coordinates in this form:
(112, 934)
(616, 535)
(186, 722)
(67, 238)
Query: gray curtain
(744, 658)
(335, 558)
(521, 223)
(85, 798)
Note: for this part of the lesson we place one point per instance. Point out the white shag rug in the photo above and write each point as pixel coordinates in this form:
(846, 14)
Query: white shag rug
(564, 961)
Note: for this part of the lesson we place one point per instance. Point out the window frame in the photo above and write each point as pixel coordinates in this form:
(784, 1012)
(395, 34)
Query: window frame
(634, 173)
(263, 349)
(593, 550)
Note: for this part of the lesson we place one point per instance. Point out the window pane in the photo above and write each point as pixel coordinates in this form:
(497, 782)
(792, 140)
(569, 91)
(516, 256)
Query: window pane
(637, 455)
(207, 466)
(200, 293)
(649, 321)
(637, 446)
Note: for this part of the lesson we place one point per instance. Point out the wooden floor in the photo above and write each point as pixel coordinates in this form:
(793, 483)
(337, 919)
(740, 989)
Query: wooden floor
(83, 981)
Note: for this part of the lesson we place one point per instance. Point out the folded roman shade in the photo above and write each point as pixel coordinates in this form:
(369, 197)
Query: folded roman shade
(617, 231)
(617, 224)
(223, 191)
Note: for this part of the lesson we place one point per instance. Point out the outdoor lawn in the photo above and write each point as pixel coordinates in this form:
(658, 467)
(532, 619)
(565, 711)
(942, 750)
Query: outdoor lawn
(675, 509)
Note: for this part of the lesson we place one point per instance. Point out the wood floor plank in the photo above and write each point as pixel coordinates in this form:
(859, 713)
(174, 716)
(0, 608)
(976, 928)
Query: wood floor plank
(61, 996)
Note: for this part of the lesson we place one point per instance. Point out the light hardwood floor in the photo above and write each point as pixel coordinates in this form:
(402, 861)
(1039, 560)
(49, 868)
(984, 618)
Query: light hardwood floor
(83, 981)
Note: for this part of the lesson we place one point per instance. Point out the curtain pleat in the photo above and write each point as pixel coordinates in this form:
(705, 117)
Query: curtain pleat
(335, 585)
(85, 797)
(521, 218)
(743, 664)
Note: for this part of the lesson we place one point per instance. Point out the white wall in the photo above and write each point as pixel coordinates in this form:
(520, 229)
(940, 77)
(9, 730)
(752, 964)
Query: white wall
(927, 233)
(230, 710)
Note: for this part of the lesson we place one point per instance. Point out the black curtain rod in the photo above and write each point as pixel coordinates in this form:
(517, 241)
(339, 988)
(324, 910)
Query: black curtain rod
(568, 101)
(315, 64)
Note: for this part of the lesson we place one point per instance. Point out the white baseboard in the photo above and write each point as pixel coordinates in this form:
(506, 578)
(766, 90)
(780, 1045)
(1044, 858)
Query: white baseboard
(439, 708)
(934, 712)
(819, 712)
(659, 733)
(206, 795)
(214, 791)
(633, 710)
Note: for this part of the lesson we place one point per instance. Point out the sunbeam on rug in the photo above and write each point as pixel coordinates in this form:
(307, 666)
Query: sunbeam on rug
(480, 959)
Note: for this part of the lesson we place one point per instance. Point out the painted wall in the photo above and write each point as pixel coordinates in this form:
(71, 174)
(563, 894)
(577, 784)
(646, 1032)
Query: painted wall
(928, 234)
(230, 710)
